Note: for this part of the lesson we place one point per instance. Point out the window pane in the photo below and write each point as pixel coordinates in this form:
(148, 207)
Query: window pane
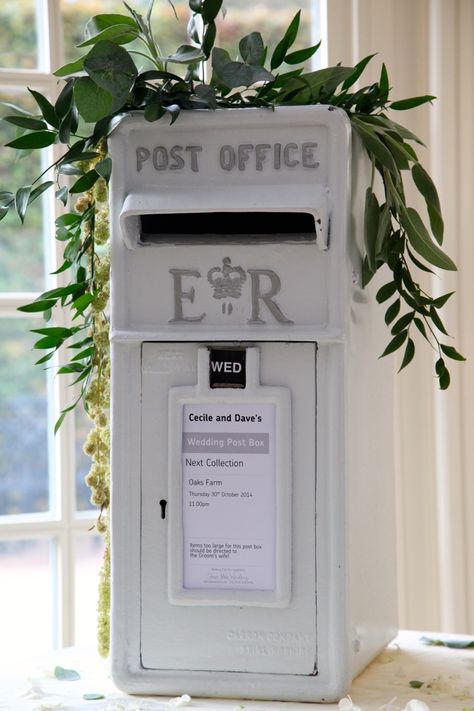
(26, 597)
(270, 18)
(23, 421)
(169, 33)
(21, 248)
(89, 552)
(18, 35)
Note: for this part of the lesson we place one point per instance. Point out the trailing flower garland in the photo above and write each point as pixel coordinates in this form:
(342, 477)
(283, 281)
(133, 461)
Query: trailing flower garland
(103, 86)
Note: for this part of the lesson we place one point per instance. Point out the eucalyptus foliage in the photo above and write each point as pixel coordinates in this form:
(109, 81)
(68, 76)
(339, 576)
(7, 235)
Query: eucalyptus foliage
(122, 69)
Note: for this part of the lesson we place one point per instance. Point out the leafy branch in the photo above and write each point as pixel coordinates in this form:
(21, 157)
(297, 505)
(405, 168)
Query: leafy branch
(105, 83)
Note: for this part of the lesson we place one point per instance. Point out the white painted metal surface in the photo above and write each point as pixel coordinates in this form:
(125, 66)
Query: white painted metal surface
(294, 300)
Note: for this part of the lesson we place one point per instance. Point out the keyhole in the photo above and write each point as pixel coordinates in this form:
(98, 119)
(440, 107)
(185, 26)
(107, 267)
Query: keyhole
(163, 508)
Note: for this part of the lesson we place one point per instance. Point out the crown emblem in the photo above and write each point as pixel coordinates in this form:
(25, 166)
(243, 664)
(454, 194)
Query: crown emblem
(226, 281)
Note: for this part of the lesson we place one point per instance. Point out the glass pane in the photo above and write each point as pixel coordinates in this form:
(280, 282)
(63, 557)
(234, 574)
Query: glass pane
(21, 248)
(89, 551)
(26, 597)
(83, 462)
(169, 33)
(18, 35)
(23, 421)
(271, 19)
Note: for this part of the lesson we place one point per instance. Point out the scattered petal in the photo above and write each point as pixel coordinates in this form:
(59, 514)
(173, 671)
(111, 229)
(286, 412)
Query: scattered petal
(34, 691)
(415, 705)
(66, 674)
(49, 704)
(183, 700)
(346, 704)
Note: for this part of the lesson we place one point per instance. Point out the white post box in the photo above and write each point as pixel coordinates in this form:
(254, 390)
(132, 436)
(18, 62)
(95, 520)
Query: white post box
(252, 491)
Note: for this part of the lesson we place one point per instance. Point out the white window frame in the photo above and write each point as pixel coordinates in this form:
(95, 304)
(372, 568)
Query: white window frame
(62, 524)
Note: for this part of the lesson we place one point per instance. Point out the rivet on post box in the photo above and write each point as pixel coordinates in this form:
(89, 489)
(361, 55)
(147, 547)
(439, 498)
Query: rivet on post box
(251, 421)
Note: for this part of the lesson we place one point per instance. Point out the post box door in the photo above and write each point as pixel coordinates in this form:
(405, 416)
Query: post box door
(257, 635)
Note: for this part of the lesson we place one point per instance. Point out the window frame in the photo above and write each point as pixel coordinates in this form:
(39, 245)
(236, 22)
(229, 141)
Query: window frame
(62, 524)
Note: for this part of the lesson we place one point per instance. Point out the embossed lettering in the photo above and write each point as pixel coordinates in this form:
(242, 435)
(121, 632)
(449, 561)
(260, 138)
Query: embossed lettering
(179, 295)
(261, 150)
(243, 152)
(290, 162)
(143, 155)
(307, 155)
(160, 158)
(178, 159)
(266, 297)
(194, 151)
(227, 158)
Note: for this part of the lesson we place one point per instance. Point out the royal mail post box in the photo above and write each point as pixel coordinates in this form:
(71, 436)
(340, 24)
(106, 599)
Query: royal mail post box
(252, 499)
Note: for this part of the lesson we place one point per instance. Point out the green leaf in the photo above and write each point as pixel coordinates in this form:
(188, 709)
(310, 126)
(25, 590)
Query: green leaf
(210, 9)
(302, 55)
(55, 331)
(395, 343)
(48, 342)
(93, 102)
(64, 100)
(93, 697)
(392, 311)
(451, 352)
(278, 56)
(408, 355)
(440, 301)
(384, 229)
(71, 68)
(411, 103)
(33, 124)
(437, 321)
(104, 168)
(39, 190)
(46, 108)
(82, 303)
(326, 80)
(375, 147)
(21, 201)
(421, 327)
(173, 110)
(428, 189)
(371, 225)
(111, 67)
(185, 54)
(415, 684)
(154, 111)
(40, 139)
(452, 643)
(421, 241)
(356, 72)
(207, 94)
(36, 306)
(62, 194)
(386, 291)
(85, 182)
(402, 323)
(86, 353)
(209, 39)
(444, 379)
(119, 34)
(237, 74)
(71, 368)
(251, 48)
(384, 84)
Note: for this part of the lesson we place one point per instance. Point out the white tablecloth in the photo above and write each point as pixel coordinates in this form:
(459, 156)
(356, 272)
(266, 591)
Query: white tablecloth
(447, 676)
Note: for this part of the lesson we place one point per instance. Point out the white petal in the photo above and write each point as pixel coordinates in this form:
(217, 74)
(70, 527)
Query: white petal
(415, 705)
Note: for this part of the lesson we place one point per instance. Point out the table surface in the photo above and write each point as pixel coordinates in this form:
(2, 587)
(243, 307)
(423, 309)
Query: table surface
(447, 677)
